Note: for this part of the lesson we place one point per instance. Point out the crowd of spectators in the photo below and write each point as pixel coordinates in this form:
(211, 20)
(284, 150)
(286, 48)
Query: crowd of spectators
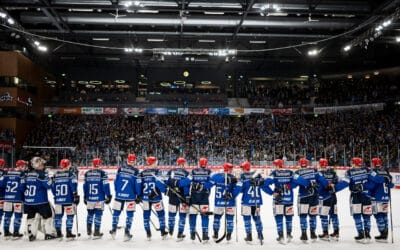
(258, 138)
(7, 140)
(322, 92)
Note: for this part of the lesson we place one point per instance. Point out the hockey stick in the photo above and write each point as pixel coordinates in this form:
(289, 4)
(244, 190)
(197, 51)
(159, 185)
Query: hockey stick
(151, 221)
(182, 198)
(236, 221)
(225, 209)
(256, 212)
(391, 215)
(78, 234)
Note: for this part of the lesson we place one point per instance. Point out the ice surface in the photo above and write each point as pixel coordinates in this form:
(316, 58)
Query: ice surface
(139, 241)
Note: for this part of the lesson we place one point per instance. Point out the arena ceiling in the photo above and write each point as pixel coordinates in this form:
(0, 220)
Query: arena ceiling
(245, 34)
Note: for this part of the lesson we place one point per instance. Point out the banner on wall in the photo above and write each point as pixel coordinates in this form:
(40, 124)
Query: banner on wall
(236, 111)
(204, 111)
(157, 111)
(110, 111)
(219, 111)
(282, 111)
(71, 111)
(133, 111)
(92, 110)
(51, 110)
(254, 111)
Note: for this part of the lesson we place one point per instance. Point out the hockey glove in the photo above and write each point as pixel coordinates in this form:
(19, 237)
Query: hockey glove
(108, 199)
(228, 196)
(357, 188)
(173, 183)
(278, 197)
(187, 200)
(76, 199)
(153, 194)
(138, 199)
(198, 186)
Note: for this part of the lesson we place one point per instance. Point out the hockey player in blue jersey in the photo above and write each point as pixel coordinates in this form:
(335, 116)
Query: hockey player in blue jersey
(175, 193)
(224, 202)
(2, 189)
(152, 189)
(250, 186)
(96, 191)
(360, 180)
(36, 201)
(380, 199)
(328, 200)
(66, 198)
(199, 198)
(308, 199)
(14, 183)
(128, 188)
(284, 181)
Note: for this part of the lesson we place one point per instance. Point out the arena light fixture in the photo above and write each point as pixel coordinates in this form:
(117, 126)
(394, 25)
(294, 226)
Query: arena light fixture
(155, 39)
(313, 52)
(42, 48)
(11, 21)
(257, 41)
(347, 48)
(214, 12)
(206, 41)
(138, 50)
(3, 15)
(128, 50)
(101, 39)
(398, 39)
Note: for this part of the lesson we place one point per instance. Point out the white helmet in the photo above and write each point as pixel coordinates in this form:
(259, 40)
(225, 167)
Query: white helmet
(37, 162)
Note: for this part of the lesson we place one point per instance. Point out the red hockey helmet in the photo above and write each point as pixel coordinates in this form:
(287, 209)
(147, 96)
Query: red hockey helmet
(151, 160)
(64, 163)
(21, 163)
(303, 162)
(357, 161)
(246, 166)
(278, 162)
(376, 161)
(203, 162)
(323, 162)
(2, 162)
(227, 167)
(97, 162)
(180, 161)
(131, 158)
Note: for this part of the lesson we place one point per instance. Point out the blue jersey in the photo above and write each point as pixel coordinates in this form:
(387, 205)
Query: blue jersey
(284, 181)
(14, 183)
(151, 183)
(362, 177)
(127, 185)
(96, 186)
(2, 189)
(332, 179)
(179, 174)
(251, 195)
(64, 186)
(220, 189)
(314, 178)
(381, 191)
(37, 182)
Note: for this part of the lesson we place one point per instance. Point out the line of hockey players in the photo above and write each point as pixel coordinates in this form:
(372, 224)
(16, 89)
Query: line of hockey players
(24, 190)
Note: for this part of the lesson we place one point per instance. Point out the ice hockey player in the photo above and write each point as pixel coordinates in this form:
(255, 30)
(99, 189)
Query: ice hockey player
(66, 198)
(199, 199)
(284, 181)
(250, 186)
(308, 199)
(96, 191)
(360, 180)
(152, 188)
(14, 183)
(176, 193)
(328, 201)
(2, 190)
(224, 202)
(381, 197)
(36, 201)
(127, 188)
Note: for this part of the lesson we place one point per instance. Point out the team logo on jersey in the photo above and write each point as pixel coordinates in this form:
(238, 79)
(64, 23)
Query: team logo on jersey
(157, 206)
(131, 205)
(313, 210)
(68, 210)
(17, 206)
(204, 208)
(289, 210)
